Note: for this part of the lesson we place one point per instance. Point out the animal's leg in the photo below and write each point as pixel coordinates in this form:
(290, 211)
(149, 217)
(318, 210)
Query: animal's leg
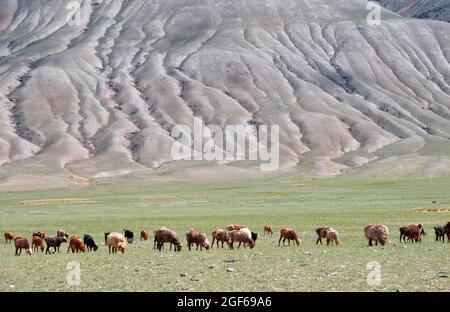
(370, 242)
(279, 241)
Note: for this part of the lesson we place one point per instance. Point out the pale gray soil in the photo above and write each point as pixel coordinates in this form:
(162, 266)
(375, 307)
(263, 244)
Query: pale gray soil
(99, 99)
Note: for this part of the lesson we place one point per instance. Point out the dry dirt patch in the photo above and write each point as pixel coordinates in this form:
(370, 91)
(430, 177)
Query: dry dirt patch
(265, 194)
(163, 198)
(434, 209)
(57, 201)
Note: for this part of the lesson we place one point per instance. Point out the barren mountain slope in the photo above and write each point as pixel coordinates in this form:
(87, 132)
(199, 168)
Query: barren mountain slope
(427, 9)
(99, 99)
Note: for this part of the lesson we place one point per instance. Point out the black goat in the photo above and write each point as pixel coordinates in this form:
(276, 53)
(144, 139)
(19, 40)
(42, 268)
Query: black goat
(439, 232)
(129, 236)
(106, 237)
(90, 243)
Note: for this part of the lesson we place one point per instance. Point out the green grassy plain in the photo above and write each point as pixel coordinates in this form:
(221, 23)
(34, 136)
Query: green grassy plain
(344, 203)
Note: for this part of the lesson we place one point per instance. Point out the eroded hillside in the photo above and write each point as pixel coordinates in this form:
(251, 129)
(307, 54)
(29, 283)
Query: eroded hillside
(98, 98)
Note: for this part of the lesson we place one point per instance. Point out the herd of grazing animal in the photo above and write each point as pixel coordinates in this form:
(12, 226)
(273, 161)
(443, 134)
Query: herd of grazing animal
(234, 233)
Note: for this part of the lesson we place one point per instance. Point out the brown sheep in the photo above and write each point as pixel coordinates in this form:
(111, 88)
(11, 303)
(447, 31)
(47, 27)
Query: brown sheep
(76, 244)
(234, 227)
(289, 234)
(116, 241)
(268, 230)
(240, 237)
(155, 240)
(197, 238)
(220, 235)
(36, 243)
(250, 234)
(9, 236)
(377, 232)
(446, 229)
(321, 233)
(332, 236)
(22, 243)
(165, 235)
(144, 235)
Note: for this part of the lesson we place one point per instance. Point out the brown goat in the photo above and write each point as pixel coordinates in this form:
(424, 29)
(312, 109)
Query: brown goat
(321, 233)
(54, 242)
(197, 238)
(289, 234)
(220, 235)
(378, 233)
(144, 235)
(22, 243)
(240, 237)
(268, 230)
(9, 236)
(165, 235)
(76, 244)
(413, 229)
(234, 227)
(36, 243)
(411, 233)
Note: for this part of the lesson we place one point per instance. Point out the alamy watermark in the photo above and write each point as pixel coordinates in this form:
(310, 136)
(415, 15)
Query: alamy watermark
(374, 16)
(374, 276)
(73, 277)
(73, 17)
(230, 143)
